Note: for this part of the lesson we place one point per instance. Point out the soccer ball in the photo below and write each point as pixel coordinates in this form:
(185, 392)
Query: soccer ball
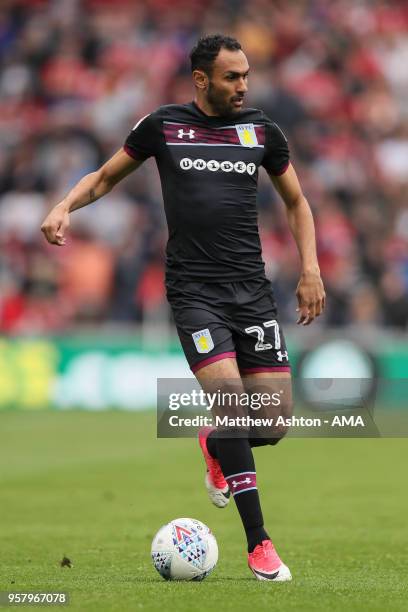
(184, 549)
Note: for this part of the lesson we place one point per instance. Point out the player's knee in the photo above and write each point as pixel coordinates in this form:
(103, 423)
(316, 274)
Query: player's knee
(228, 402)
(281, 425)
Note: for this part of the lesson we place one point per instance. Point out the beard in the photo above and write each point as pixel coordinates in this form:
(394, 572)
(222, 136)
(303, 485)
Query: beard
(221, 105)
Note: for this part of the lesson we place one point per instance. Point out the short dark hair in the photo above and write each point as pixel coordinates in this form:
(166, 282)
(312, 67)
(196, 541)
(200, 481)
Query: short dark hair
(205, 52)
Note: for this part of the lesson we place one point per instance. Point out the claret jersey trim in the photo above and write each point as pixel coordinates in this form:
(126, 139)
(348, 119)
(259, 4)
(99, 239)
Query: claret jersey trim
(247, 135)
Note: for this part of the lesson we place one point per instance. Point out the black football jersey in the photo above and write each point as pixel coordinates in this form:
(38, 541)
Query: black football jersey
(209, 171)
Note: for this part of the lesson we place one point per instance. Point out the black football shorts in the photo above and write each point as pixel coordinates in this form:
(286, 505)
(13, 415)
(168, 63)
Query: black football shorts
(236, 319)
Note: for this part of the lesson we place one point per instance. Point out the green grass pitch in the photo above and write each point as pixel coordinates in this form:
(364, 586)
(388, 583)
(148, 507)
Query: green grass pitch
(96, 487)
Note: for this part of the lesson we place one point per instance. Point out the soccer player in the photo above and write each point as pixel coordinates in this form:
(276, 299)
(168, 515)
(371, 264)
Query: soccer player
(208, 154)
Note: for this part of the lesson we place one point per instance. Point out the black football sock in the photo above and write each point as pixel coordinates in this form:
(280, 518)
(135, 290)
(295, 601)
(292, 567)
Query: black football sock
(237, 464)
(254, 442)
(257, 440)
(212, 443)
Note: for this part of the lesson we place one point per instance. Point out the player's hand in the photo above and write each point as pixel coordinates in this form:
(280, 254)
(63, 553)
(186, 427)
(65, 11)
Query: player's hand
(311, 297)
(55, 225)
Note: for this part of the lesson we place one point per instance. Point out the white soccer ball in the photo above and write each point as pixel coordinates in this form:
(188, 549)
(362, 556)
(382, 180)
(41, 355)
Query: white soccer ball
(184, 549)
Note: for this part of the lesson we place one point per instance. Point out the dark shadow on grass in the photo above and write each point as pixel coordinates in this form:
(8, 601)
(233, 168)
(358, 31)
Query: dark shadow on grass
(211, 580)
(231, 579)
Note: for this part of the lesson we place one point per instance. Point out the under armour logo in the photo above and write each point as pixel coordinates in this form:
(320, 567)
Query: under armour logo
(235, 483)
(182, 133)
(282, 356)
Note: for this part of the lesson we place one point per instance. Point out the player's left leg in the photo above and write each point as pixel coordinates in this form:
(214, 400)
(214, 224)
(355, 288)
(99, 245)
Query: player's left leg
(276, 385)
(230, 447)
(263, 360)
(266, 376)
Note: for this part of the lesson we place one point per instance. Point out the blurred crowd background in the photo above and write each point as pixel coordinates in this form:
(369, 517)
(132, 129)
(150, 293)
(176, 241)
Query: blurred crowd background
(75, 76)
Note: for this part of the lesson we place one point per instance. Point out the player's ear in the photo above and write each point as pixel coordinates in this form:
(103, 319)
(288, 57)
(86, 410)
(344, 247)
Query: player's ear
(200, 79)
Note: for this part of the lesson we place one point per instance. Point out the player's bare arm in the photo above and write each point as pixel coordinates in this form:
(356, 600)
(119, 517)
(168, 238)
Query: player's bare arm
(310, 291)
(89, 189)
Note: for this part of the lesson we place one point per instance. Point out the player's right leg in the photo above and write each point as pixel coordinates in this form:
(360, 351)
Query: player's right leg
(199, 311)
(215, 483)
(217, 487)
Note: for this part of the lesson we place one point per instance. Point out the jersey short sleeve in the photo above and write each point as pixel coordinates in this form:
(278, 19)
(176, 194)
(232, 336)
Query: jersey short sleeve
(276, 157)
(143, 141)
